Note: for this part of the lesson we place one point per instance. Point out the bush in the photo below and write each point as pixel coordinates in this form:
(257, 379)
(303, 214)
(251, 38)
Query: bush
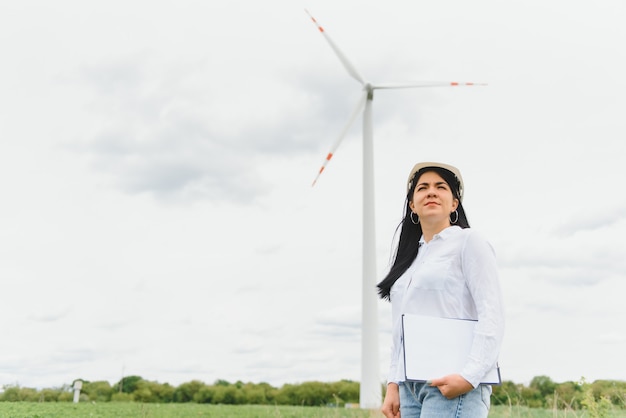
(19, 394)
(99, 391)
(122, 397)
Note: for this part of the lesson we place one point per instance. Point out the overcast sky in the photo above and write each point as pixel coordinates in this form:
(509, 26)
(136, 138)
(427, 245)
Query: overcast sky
(156, 158)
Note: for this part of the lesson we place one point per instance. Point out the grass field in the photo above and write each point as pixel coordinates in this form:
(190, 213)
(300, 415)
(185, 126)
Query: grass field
(132, 410)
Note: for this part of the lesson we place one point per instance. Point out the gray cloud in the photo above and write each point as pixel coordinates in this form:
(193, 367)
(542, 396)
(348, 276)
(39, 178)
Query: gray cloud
(179, 143)
(53, 315)
(613, 338)
(342, 322)
(77, 355)
(589, 222)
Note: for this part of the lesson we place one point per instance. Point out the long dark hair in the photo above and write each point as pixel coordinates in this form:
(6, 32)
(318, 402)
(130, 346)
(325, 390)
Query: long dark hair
(408, 244)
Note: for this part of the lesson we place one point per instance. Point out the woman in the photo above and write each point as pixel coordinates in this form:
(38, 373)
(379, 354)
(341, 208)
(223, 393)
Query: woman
(442, 268)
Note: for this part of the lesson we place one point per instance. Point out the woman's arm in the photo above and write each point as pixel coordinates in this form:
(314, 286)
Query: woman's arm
(391, 405)
(481, 275)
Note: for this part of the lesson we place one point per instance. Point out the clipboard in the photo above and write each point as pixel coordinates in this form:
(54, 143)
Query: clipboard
(436, 347)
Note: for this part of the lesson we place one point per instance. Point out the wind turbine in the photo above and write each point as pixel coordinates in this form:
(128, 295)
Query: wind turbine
(370, 389)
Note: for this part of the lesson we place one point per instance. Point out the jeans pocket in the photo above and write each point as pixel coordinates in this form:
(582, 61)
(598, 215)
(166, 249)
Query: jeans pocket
(485, 391)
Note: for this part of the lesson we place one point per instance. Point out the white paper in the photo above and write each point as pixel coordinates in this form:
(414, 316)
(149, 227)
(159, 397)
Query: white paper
(436, 347)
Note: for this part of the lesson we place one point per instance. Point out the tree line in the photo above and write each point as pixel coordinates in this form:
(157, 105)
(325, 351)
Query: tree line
(542, 392)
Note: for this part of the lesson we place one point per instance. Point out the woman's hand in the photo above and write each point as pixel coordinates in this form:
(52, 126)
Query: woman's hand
(391, 405)
(452, 385)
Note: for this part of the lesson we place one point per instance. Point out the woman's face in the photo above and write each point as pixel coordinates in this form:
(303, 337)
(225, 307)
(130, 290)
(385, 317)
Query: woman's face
(432, 199)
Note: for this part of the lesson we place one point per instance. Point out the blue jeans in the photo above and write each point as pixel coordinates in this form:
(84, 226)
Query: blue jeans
(417, 399)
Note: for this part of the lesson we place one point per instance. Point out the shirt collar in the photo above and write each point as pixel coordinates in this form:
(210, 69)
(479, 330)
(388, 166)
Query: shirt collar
(445, 233)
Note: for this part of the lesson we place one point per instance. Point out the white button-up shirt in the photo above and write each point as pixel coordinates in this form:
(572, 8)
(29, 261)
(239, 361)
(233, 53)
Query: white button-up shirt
(453, 276)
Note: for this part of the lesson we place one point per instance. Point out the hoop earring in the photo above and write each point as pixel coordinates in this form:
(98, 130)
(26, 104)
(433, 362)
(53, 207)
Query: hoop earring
(412, 220)
(455, 219)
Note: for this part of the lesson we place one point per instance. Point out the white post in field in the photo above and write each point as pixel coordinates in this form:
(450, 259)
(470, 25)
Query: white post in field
(78, 385)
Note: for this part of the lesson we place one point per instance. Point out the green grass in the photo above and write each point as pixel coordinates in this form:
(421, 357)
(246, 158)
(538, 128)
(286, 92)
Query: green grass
(132, 410)
(525, 412)
(128, 410)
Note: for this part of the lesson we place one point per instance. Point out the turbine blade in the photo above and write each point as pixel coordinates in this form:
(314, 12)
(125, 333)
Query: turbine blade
(425, 84)
(344, 60)
(355, 113)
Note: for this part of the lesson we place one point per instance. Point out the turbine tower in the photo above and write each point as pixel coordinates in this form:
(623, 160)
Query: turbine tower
(370, 387)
